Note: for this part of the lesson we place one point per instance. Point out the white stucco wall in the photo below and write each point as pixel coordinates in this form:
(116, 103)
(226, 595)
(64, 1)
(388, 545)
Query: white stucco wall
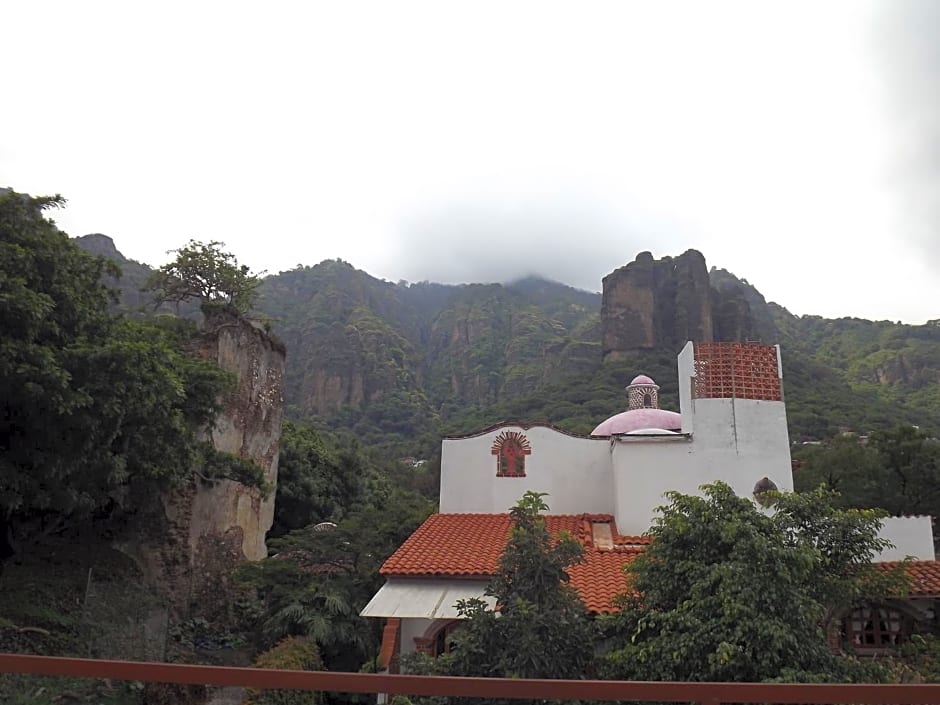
(686, 365)
(575, 472)
(741, 441)
(911, 536)
(411, 628)
(736, 441)
(643, 470)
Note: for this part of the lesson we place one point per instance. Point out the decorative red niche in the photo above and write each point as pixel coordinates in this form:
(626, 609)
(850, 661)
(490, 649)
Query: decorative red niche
(510, 449)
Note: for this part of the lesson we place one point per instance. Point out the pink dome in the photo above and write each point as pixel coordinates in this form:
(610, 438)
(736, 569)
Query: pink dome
(637, 419)
(642, 379)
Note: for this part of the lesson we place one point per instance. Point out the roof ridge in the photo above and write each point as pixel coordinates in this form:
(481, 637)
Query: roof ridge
(524, 425)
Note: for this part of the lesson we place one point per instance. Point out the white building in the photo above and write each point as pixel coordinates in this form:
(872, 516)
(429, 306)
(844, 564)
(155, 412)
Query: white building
(604, 489)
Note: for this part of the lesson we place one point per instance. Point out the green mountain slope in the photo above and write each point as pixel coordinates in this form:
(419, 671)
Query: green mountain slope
(400, 364)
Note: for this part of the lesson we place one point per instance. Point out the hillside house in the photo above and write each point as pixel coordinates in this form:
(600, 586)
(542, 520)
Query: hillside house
(604, 490)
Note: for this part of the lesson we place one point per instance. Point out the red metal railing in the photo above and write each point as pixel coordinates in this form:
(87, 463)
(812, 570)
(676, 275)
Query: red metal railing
(705, 693)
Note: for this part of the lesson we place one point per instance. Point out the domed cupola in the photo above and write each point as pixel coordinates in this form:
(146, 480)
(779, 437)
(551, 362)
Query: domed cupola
(643, 415)
(642, 393)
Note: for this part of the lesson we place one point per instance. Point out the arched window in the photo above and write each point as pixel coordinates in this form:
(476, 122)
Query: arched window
(877, 627)
(436, 639)
(648, 401)
(442, 643)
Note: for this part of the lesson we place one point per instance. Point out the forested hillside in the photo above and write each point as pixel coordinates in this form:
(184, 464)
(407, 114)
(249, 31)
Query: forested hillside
(375, 371)
(410, 362)
(142, 462)
(400, 364)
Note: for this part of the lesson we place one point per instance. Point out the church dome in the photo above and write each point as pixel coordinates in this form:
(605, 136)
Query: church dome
(639, 419)
(643, 412)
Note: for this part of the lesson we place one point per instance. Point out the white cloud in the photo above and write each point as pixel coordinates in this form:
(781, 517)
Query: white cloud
(433, 141)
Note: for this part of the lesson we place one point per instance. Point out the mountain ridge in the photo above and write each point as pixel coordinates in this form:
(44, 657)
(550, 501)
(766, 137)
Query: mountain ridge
(399, 364)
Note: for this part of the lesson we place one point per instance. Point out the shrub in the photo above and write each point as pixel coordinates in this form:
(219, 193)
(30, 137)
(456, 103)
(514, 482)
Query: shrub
(292, 654)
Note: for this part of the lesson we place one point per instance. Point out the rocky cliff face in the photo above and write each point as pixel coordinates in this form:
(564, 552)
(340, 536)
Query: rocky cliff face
(361, 342)
(248, 427)
(397, 362)
(656, 303)
(207, 527)
(739, 311)
(351, 334)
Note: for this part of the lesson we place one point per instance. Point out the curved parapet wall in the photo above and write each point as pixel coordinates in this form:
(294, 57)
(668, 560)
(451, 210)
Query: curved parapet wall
(487, 472)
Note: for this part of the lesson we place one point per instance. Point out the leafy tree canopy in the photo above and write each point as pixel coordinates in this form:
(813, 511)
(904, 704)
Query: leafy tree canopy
(316, 482)
(316, 582)
(206, 273)
(541, 629)
(292, 654)
(96, 411)
(728, 591)
(897, 470)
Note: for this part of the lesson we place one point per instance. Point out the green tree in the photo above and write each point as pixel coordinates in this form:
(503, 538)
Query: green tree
(292, 654)
(922, 654)
(541, 628)
(897, 470)
(316, 582)
(843, 465)
(728, 591)
(910, 483)
(316, 482)
(97, 411)
(206, 273)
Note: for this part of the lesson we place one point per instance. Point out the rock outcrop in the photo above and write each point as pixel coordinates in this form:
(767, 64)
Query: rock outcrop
(248, 427)
(739, 311)
(206, 527)
(653, 303)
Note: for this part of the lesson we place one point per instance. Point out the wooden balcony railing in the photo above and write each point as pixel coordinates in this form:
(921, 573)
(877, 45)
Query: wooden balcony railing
(704, 693)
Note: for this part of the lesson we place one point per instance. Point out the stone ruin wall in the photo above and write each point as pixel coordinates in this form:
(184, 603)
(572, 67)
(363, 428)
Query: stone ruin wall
(209, 527)
(249, 427)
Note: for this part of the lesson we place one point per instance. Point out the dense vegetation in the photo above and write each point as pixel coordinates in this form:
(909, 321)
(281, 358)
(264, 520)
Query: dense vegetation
(103, 403)
(725, 592)
(103, 410)
(540, 628)
(400, 365)
(99, 411)
(897, 470)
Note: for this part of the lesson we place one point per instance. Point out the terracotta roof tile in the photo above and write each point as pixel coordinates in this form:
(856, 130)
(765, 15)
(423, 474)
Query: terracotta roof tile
(469, 545)
(924, 576)
(600, 578)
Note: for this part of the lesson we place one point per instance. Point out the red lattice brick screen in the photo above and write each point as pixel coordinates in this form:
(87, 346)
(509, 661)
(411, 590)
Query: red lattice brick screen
(736, 370)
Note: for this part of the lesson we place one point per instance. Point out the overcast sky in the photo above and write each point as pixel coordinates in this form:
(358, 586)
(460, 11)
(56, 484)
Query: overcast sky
(796, 144)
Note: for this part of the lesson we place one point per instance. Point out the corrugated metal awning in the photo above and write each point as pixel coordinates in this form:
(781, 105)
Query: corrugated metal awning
(424, 598)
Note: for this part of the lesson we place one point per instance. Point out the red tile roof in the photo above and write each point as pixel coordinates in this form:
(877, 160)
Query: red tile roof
(469, 545)
(924, 577)
(600, 578)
